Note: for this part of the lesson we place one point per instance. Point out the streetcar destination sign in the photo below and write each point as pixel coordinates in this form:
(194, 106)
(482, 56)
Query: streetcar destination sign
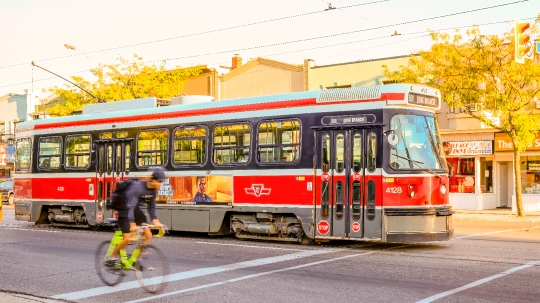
(357, 119)
(425, 100)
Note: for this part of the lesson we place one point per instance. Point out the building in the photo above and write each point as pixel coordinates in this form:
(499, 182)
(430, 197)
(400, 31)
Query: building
(257, 77)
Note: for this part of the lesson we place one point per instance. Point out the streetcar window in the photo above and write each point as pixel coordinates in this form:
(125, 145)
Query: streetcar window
(49, 152)
(340, 153)
(152, 146)
(101, 159)
(370, 211)
(356, 200)
(372, 152)
(77, 151)
(189, 145)
(23, 152)
(339, 200)
(121, 134)
(325, 153)
(128, 157)
(324, 199)
(278, 141)
(231, 143)
(118, 158)
(105, 136)
(109, 159)
(357, 152)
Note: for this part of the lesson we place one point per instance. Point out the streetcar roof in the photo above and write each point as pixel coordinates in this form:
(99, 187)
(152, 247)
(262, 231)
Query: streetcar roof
(396, 93)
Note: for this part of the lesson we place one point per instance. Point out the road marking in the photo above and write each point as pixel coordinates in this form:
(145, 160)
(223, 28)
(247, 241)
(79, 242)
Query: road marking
(251, 246)
(496, 232)
(246, 277)
(72, 296)
(479, 282)
(42, 230)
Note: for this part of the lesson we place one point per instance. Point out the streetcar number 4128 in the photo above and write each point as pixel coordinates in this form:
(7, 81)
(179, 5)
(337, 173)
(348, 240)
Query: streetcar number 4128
(394, 190)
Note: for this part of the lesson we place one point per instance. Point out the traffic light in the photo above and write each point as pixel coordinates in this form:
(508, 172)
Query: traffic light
(522, 41)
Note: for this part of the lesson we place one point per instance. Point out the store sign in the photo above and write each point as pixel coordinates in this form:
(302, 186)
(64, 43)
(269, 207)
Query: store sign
(7, 153)
(470, 148)
(533, 166)
(504, 143)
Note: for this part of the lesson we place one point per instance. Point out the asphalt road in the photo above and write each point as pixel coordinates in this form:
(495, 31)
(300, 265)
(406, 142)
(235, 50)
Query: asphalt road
(488, 261)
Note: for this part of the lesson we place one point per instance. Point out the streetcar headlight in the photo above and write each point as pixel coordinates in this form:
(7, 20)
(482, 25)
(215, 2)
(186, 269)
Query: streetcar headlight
(411, 190)
(443, 189)
(412, 194)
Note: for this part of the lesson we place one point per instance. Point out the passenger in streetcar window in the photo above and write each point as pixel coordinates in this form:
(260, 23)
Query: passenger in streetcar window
(46, 163)
(201, 195)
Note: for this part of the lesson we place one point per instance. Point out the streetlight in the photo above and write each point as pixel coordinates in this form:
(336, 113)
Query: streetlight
(69, 46)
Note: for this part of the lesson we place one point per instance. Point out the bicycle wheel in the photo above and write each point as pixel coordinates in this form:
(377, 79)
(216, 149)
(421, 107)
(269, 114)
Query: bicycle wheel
(152, 269)
(110, 274)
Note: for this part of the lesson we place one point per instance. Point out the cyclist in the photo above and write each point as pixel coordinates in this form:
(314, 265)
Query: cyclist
(137, 195)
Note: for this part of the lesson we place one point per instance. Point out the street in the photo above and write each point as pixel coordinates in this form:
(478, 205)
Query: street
(487, 261)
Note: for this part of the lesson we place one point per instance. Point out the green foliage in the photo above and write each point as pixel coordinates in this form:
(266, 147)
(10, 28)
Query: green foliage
(480, 69)
(123, 80)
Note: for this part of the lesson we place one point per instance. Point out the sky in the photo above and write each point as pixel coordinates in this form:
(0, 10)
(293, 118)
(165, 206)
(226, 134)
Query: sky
(210, 32)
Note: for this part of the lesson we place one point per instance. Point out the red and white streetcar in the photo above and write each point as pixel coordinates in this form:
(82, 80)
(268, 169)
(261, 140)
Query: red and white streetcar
(360, 163)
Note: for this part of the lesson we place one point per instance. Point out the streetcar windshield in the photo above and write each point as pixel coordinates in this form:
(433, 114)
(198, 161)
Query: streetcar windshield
(418, 143)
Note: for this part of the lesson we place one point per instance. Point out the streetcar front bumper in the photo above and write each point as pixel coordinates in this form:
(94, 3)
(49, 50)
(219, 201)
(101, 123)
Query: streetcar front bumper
(418, 224)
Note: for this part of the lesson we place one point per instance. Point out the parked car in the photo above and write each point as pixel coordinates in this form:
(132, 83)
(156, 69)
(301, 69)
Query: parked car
(6, 189)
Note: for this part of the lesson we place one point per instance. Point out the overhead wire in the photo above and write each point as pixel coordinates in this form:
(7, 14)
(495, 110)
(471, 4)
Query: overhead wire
(195, 34)
(319, 47)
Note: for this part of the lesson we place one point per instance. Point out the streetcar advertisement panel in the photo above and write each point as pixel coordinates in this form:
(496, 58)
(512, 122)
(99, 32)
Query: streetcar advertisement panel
(196, 190)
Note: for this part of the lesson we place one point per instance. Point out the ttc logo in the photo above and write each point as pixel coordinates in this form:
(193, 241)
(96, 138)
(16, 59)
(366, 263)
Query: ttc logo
(258, 190)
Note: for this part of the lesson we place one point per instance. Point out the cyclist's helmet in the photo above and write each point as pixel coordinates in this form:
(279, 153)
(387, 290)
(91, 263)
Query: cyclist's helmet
(158, 173)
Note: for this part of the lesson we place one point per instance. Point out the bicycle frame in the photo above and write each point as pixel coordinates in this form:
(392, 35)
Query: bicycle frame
(126, 262)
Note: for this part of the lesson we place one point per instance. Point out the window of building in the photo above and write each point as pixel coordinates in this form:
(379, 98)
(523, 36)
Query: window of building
(49, 152)
(530, 174)
(463, 177)
(152, 147)
(189, 145)
(278, 141)
(486, 174)
(78, 151)
(231, 143)
(23, 153)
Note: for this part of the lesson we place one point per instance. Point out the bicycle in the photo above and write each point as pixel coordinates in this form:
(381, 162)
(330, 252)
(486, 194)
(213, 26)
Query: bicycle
(148, 261)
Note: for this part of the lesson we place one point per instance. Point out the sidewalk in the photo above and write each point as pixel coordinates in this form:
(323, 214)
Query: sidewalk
(499, 214)
(6, 297)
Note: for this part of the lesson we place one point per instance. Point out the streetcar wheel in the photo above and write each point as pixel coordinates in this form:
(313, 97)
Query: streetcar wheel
(96, 227)
(151, 269)
(110, 274)
(305, 240)
(11, 200)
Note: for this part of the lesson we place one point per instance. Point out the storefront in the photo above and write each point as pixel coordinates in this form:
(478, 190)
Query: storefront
(530, 173)
(473, 173)
(7, 159)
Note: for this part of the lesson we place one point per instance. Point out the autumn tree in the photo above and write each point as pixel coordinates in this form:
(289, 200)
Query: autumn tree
(123, 80)
(480, 69)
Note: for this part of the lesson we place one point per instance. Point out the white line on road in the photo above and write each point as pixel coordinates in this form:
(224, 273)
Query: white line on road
(476, 283)
(496, 232)
(251, 246)
(189, 274)
(245, 277)
(42, 230)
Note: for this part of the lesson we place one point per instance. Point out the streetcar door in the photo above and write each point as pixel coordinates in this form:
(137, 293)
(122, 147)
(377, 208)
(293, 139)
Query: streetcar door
(112, 165)
(345, 183)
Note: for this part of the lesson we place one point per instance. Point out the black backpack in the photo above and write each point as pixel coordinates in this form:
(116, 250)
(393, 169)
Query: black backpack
(118, 200)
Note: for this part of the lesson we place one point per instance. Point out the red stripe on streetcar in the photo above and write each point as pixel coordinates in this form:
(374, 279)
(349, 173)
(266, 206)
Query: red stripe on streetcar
(211, 111)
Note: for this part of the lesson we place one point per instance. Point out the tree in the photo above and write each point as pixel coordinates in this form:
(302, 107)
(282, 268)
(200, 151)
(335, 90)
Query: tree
(123, 80)
(480, 69)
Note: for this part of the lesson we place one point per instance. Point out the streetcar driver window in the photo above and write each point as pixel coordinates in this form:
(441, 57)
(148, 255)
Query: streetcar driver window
(231, 143)
(49, 153)
(418, 143)
(152, 147)
(278, 141)
(23, 152)
(78, 151)
(189, 145)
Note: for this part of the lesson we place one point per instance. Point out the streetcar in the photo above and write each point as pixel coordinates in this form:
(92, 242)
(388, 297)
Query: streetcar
(358, 163)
